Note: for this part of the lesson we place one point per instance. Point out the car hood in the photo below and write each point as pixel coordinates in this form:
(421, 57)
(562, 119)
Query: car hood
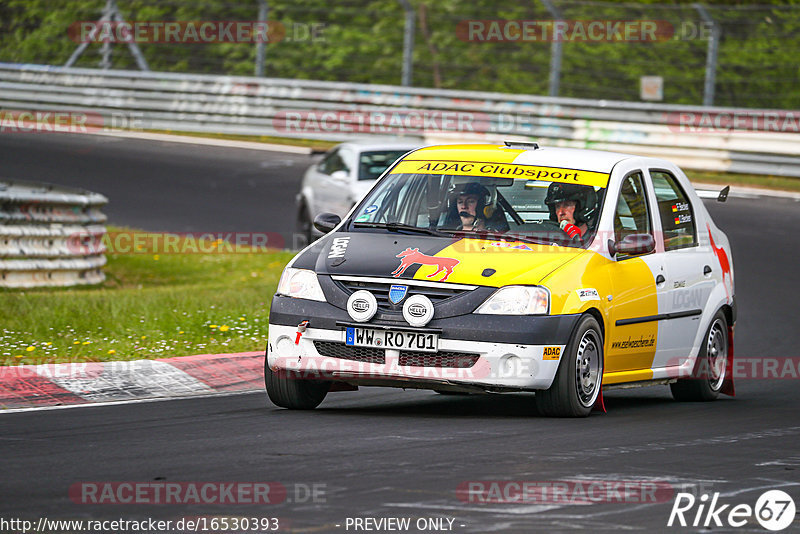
(462, 261)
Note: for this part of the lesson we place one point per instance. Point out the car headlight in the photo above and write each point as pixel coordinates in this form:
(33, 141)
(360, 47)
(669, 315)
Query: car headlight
(300, 284)
(517, 300)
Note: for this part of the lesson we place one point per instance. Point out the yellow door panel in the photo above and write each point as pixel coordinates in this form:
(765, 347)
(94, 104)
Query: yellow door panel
(633, 346)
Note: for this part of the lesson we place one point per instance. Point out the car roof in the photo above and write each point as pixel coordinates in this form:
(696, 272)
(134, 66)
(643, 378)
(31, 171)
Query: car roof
(572, 158)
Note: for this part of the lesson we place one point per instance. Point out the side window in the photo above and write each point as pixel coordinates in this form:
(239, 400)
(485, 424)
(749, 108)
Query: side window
(632, 215)
(331, 163)
(677, 216)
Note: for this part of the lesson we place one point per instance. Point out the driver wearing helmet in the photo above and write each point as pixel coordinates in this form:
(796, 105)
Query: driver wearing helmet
(470, 202)
(573, 207)
(467, 205)
(471, 208)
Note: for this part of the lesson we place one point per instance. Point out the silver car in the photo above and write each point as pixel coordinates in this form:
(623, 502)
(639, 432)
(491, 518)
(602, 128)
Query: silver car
(344, 175)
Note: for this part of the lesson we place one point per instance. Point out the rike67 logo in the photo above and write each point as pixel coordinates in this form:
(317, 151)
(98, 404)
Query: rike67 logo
(774, 510)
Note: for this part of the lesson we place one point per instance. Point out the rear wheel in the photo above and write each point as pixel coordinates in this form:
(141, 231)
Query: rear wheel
(580, 374)
(710, 367)
(295, 393)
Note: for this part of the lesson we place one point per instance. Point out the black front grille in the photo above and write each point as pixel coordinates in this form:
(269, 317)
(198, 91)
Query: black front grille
(461, 360)
(332, 349)
(381, 292)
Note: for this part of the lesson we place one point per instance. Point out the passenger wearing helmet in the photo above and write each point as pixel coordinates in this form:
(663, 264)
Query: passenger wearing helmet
(573, 207)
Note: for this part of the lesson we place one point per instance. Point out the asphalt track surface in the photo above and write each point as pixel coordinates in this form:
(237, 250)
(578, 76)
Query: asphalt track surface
(392, 453)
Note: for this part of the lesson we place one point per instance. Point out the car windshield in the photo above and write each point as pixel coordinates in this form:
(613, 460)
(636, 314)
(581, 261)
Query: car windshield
(372, 164)
(482, 207)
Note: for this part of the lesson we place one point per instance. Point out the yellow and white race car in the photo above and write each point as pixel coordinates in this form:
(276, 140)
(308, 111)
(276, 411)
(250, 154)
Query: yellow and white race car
(485, 268)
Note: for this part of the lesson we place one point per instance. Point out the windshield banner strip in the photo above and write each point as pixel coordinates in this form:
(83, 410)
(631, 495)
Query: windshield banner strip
(502, 170)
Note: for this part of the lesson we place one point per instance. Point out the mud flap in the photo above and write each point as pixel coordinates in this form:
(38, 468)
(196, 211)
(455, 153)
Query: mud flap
(599, 405)
(727, 384)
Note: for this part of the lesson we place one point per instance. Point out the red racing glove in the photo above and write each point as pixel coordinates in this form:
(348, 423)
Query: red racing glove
(571, 230)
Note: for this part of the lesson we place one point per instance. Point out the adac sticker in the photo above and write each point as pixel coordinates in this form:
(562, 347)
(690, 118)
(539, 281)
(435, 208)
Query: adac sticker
(588, 293)
(410, 256)
(502, 170)
(551, 353)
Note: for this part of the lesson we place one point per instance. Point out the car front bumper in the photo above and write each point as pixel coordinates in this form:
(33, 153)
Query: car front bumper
(475, 352)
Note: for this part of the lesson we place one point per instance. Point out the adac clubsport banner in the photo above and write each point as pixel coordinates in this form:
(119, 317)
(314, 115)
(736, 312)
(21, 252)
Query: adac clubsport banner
(502, 170)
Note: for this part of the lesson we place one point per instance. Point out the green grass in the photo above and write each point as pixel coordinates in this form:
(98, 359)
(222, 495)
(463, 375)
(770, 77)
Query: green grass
(150, 306)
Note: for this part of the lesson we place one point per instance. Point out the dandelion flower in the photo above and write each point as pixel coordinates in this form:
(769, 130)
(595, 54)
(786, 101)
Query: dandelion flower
(212, 326)
(224, 328)
(112, 351)
(156, 257)
(18, 356)
(241, 318)
(30, 349)
(86, 342)
(144, 337)
(77, 343)
(181, 332)
(49, 343)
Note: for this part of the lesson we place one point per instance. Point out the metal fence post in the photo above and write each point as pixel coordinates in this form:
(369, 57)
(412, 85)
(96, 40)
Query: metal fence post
(408, 43)
(556, 52)
(263, 11)
(711, 55)
(110, 14)
(105, 48)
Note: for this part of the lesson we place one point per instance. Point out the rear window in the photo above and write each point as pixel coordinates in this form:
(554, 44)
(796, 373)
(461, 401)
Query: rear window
(677, 215)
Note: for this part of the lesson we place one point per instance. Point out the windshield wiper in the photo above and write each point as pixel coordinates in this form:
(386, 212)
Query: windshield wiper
(396, 227)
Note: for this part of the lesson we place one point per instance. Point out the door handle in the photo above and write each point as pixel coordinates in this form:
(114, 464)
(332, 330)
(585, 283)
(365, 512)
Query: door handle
(660, 279)
(706, 270)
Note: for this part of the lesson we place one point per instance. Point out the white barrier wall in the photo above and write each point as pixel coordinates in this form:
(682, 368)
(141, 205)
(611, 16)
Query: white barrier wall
(50, 235)
(765, 141)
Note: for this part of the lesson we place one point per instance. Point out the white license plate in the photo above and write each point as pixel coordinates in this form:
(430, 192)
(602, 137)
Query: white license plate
(391, 339)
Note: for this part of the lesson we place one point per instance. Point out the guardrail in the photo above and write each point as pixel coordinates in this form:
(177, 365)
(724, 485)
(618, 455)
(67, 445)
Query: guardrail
(50, 235)
(691, 136)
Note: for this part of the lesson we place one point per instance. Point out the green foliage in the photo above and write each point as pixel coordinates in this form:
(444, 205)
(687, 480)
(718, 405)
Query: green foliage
(151, 306)
(362, 41)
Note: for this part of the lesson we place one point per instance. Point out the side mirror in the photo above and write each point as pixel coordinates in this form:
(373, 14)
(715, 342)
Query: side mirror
(340, 175)
(325, 222)
(632, 245)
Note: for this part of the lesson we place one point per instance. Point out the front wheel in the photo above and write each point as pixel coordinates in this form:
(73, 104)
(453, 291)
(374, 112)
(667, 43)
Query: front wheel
(580, 374)
(710, 367)
(293, 392)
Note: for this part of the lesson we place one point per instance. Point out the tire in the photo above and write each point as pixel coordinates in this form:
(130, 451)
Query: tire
(304, 225)
(579, 377)
(293, 393)
(710, 367)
